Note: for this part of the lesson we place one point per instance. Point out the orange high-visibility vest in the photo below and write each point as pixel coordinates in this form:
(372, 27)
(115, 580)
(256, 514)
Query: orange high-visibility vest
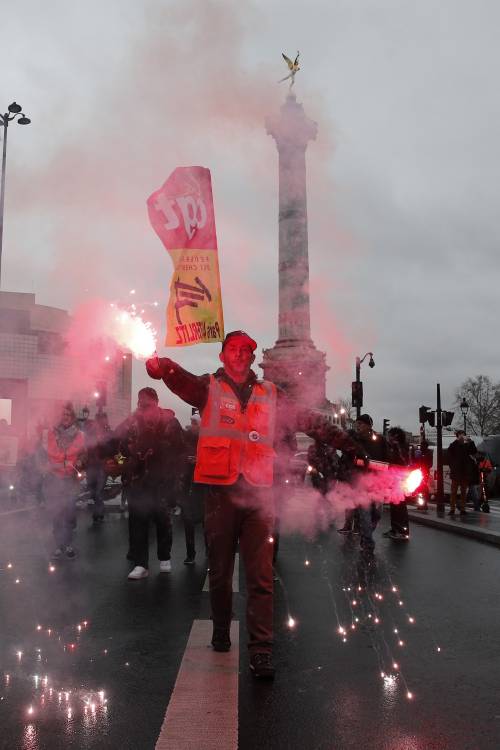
(233, 441)
(62, 462)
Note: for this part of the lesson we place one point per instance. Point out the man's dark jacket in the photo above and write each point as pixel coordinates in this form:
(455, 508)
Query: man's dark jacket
(461, 461)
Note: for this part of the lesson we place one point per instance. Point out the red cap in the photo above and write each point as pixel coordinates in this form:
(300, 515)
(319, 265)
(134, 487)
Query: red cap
(240, 335)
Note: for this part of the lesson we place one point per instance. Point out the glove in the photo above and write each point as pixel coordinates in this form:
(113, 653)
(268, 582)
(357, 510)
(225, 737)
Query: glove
(154, 368)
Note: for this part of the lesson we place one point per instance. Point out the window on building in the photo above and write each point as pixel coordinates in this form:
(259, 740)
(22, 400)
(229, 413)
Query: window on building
(5, 412)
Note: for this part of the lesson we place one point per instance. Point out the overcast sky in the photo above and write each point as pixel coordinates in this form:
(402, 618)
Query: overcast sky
(402, 180)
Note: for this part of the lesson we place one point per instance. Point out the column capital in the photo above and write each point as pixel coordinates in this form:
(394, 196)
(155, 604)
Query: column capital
(291, 128)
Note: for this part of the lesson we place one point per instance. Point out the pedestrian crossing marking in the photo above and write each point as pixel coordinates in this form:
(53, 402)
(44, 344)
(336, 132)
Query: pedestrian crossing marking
(203, 708)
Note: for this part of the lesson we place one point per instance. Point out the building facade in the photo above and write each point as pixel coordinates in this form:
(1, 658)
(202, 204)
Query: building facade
(39, 371)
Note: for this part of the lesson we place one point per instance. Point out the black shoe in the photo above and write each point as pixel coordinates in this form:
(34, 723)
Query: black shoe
(485, 507)
(57, 554)
(261, 665)
(70, 553)
(220, 639)
(451, 512)
(189, 560)
(98, 518)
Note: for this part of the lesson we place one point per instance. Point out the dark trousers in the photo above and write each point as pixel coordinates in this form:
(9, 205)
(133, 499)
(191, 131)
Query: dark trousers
(96, 482)
(145, 506)
(244, 514)
(455, 484)
(400, 521)
(60, 495)
(192, 508)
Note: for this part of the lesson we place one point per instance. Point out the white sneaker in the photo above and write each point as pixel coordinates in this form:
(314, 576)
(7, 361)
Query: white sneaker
(165, 566)
(138, 572)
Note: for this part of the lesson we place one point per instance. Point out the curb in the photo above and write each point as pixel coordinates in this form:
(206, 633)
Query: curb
(457, 527)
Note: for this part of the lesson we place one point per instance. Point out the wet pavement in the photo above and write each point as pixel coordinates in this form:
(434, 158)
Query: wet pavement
(89, 660)
(484, 527)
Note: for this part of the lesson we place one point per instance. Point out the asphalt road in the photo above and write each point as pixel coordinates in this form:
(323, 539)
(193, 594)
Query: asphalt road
(89, 660)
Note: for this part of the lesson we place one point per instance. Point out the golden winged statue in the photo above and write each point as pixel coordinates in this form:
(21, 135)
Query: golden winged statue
(293, 67)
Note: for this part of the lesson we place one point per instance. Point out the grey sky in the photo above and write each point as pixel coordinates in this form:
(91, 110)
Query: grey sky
(403, 199)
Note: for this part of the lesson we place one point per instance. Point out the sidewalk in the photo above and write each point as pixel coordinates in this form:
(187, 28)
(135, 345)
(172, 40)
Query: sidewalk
(485, 527)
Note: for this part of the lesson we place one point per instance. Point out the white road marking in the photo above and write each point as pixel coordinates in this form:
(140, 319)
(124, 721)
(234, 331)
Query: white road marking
(18, 510)
(236, 576)
(203, 710)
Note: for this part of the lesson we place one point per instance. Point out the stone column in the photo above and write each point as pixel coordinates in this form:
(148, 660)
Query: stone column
(292, 131)
(294, 363)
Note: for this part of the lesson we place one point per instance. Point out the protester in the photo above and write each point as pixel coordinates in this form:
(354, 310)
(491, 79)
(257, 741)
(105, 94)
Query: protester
(282, 482)
(460, 460)
(96, 432)
(192, 492)
(399, 454)
(485, 467)
(324, 464)
(65, 457)
(373, 446)
(242, 418)
(151, 441)
(482, 466)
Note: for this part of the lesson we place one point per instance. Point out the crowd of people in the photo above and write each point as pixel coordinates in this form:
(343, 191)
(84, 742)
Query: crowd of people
(226, 470)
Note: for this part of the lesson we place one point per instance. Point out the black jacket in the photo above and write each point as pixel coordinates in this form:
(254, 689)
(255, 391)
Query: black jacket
(154, 449)
(461, 461)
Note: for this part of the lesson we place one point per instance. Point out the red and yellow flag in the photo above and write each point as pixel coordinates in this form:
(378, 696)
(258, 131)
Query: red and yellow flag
(182, 215)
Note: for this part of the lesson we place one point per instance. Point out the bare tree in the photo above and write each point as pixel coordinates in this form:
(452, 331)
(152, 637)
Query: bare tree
(350, 411)
(483, 397)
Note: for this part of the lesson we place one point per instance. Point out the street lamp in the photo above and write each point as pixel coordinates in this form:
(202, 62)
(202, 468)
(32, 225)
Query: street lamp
(357, 385)
(464, 408)
(14, 110)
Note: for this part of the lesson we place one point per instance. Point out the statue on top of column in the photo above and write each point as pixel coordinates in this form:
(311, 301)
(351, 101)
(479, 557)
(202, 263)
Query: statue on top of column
(293, 68)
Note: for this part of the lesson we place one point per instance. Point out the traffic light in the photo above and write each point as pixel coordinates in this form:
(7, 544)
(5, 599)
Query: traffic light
(425, 414)
(385, 426)
(357, 393)
(447, 418)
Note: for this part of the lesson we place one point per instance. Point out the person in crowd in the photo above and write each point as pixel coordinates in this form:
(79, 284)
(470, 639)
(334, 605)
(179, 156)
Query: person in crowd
(477, 487)
(192, 492)
(485, 467)
(96, 434)
(398, 454)
(152, 443)
(65, 458)
(282, 482)
(324, 463)
(31, 466)
(365, 519)
(243, 420)
(460, 460)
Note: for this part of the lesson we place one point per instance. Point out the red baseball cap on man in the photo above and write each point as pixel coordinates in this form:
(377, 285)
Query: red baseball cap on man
(240, 335)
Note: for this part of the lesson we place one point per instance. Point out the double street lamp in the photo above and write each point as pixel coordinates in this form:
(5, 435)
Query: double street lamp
(357, 386)
(464, 408)
(14, 111)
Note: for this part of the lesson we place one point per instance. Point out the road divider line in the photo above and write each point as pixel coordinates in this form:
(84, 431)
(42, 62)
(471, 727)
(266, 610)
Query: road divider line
(203, 708)
(236, 576)
(17, 510)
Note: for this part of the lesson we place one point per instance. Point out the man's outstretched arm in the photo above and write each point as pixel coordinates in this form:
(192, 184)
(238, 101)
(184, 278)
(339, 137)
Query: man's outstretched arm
(193, 389)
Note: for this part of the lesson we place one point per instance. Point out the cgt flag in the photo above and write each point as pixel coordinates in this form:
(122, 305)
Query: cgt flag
(182, 215)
